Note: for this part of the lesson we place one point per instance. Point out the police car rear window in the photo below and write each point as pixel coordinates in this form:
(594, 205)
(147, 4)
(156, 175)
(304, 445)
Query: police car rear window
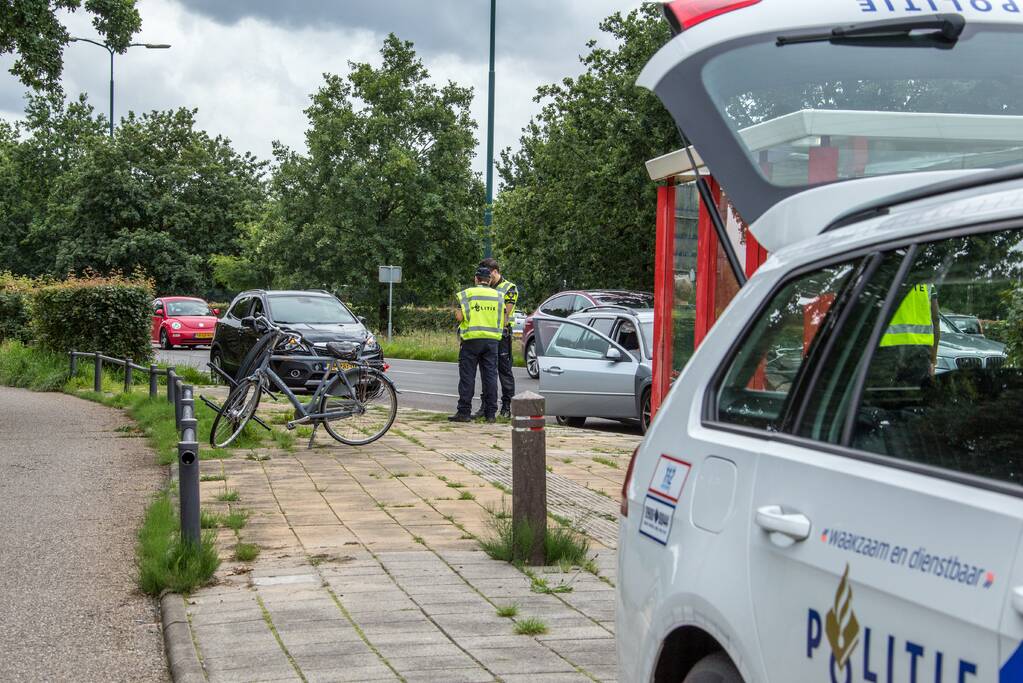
(817, 112)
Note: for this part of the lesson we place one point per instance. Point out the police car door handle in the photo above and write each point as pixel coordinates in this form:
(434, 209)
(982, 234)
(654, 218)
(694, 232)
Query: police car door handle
(792, 524)
(554, 371)
(1017, 599)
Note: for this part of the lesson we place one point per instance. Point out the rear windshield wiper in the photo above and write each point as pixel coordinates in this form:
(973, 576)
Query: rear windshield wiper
(945, 31)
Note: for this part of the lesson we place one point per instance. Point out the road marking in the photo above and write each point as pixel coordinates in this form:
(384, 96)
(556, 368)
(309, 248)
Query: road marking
(428, 393)
(405, 372)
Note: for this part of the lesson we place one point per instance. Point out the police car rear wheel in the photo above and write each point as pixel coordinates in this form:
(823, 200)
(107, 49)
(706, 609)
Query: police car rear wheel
(532, 367)
(570, 421)
(715, 668)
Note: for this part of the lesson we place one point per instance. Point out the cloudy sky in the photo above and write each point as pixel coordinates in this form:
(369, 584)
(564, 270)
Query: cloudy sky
(249, 66)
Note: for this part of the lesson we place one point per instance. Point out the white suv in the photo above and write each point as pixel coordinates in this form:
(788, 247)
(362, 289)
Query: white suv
(816, 500)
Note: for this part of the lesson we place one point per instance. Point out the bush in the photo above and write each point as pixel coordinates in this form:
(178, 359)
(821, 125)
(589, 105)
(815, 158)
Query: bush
(108, 314)
(15, 314)
(410, 318)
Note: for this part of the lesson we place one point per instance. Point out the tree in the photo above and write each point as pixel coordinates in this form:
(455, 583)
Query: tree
(577, 206)
(161, 196)
(387, 180)
(31, 30)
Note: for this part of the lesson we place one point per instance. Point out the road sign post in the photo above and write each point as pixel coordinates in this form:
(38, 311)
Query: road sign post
(390, 275)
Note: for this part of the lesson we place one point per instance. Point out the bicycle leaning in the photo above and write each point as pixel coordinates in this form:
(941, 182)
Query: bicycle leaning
(355, 402)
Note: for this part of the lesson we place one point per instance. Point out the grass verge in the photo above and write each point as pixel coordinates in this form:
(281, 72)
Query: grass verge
(165, 560)
(431, 345)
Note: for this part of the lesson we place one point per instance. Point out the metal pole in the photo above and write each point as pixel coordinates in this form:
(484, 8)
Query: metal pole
(529, 474)
(390, 304)
(74, 363)
(154, 381)
(488, 212)
(188, 468)
(127, 375)
(171, 376)
(111, 91)
(97, 373)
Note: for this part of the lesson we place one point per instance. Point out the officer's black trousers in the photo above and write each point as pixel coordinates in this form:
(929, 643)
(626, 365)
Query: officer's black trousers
(504, 370)
(481, 353)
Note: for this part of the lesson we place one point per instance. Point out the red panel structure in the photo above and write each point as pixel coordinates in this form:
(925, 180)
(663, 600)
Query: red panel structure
(664, 294)
(706, 267)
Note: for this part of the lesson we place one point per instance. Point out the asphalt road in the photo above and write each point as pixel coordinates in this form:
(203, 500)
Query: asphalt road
(72, 496)
(428, 385)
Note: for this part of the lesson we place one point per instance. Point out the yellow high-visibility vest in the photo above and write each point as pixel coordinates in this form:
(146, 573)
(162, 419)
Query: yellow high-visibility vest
(482, 313)
(510, 293)
(912, 324)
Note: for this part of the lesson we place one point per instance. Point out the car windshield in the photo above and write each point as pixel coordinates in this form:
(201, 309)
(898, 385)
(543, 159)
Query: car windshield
(814, 112)
(175, 308)
(289, 309)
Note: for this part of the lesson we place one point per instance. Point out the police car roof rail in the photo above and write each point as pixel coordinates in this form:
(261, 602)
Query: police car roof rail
(598, 307)
(880, 208)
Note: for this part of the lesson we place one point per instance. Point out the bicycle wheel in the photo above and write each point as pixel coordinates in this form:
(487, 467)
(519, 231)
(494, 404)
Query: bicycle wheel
(369, 413)
(240, 406)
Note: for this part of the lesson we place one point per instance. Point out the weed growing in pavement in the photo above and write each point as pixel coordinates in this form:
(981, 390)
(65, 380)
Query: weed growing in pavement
(455, 485)
(538, 584)
(606, 461)
(549, 468)
(496, 447)
(509, 542)
(419, 540)
(209, 520)
(165, 560)
(530, 627)
(567, 461)
(508, 610)
(258, 457)
(402, 505)
(466, 537)
(408, 437)
(246, 552)
(399, 475)
(285, 440)
(212, 477)
(228, 496)
(500, 487)
(236, 520)
(466, 495)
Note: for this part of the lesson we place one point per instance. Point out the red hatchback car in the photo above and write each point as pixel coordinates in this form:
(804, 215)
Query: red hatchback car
(183, 321)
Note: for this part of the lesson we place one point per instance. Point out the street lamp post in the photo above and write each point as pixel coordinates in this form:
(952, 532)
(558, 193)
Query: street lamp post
(148, 46)
(488, 212)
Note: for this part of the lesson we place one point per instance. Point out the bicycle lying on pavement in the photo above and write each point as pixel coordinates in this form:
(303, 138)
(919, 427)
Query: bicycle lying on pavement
(355, 403)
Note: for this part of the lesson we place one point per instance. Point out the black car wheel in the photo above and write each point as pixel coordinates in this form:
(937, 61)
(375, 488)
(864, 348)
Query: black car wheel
(570, 421)
(644, 412)
(216, 360)
(165, 340)
(715, 668)
(532, 366)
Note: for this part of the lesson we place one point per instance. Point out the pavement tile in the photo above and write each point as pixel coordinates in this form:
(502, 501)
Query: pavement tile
(534, 658)
(471, 675)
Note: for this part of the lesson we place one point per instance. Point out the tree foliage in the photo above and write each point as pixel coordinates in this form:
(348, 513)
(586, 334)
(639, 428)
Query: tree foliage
(577, 206)
(386, 180)
(32, 30)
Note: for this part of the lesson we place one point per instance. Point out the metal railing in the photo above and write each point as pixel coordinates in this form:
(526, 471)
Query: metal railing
(182, 397)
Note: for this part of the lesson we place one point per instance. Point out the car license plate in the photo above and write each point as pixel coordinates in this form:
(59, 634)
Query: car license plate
(341, 365)
(204, 335)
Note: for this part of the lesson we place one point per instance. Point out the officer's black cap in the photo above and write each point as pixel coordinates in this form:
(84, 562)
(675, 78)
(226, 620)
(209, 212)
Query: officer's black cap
(483, 273)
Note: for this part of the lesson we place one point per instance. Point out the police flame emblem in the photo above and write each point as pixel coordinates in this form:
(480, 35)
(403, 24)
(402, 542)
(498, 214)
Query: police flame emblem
(841, 626)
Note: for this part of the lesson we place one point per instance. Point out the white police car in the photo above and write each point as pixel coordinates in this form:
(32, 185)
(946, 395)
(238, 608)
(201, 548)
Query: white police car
(849, 514)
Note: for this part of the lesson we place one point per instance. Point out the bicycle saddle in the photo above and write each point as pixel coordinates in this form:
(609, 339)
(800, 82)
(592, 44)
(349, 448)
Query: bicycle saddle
(345, 350)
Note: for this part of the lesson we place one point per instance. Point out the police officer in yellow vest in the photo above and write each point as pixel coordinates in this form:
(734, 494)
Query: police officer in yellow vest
(510, 292)
(908, 350)
(480, 316)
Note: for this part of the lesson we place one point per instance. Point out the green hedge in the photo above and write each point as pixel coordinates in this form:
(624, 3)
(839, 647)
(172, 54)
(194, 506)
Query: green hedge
(111, 314)
(407, 319)
(15, 311)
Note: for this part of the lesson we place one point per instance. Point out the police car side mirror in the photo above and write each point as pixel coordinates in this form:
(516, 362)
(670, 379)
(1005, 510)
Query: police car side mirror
(613, 355)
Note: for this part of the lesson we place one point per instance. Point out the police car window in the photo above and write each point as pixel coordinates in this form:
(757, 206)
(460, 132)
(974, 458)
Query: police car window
(627, 336)
(938, 396)
(575, 341)
(762, 373)
(241, 308)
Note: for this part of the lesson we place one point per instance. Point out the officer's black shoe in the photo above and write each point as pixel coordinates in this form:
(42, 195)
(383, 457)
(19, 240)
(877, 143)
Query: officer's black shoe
(459, 417)
(491, 420)
(506, 413)
(478, 415)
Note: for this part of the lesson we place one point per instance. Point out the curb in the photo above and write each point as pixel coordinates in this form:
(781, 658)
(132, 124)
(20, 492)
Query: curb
(182, 659)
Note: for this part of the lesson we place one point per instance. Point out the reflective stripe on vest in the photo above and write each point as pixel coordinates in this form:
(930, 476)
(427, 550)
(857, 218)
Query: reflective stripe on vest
(503, 287)
(482, 313)
(912, 324)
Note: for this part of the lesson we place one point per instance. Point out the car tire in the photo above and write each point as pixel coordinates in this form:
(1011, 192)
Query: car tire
(644, 412)
(570, 421)
(715, 668)
(532, 365)
(217, 359)
(165, 342)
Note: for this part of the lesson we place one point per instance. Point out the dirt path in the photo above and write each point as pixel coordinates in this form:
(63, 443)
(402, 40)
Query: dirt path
(72, 494)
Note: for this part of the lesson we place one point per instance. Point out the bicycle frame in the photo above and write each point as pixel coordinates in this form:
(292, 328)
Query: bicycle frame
(304, 410)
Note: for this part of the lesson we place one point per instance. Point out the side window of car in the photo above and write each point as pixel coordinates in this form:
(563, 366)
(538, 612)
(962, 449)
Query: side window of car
(157, 305)
(560, 306)
(569, 340)
(602, 325)
(580, 302)
(240, 308)
(257, 307)
(627, 336)
(935, 395)
(756, 387)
